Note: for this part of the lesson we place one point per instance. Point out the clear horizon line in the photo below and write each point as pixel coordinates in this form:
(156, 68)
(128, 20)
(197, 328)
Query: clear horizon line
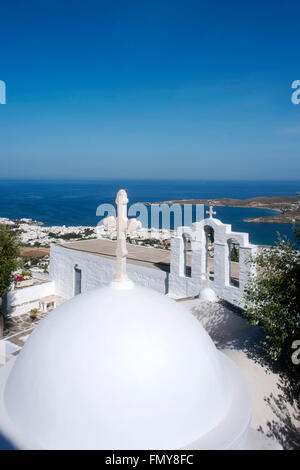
(146, 179)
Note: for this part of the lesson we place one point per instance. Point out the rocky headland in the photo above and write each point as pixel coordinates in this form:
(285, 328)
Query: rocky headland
(287, 207)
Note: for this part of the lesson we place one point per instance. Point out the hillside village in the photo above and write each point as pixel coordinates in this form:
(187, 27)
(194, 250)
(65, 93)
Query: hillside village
(36, 238)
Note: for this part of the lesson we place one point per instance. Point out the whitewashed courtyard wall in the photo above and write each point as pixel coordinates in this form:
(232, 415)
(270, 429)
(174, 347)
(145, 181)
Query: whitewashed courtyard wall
(19, 301)
(97, 271)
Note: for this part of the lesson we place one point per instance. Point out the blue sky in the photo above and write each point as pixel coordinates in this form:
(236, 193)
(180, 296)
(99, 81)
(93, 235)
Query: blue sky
(150, 89)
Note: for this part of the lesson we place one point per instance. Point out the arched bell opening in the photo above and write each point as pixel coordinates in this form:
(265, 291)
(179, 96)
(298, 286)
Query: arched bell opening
(187, 244)
(234, 262)
(209, 251)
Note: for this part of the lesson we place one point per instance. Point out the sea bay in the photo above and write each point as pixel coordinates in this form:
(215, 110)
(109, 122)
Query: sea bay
(74, 202)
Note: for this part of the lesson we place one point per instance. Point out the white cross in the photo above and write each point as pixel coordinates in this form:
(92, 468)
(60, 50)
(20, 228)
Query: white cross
(124, 226)
(211, 212)
(121, 221)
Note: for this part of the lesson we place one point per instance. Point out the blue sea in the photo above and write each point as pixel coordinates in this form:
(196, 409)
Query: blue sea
(70, 202)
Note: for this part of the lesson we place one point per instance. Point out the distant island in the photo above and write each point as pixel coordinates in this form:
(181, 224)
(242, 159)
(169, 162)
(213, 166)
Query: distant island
(288, 207)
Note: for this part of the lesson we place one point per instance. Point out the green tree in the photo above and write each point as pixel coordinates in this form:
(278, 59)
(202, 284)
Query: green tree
(272, 296)
(9, 243)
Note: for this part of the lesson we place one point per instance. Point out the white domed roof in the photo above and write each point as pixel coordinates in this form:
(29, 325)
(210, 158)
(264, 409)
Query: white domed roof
(117, 369)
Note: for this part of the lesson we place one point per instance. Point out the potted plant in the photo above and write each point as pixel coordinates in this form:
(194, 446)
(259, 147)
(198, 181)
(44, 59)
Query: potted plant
(33, 314)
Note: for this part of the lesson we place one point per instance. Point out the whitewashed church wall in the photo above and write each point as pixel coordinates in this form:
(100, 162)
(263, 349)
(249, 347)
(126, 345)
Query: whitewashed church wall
(221, 266)
(176, 257)
(245, 268)
(97, 271)
(197, 262)
(181, 286)
(231, 294)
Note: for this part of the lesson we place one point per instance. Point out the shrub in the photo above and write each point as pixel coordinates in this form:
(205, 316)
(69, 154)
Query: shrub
(272, 297)
(33, 313)
(26, 274)
(9, 246)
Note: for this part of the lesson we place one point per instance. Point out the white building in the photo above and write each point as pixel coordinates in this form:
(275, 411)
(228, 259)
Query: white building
(179, 273)
(124, 367)
(199, 256)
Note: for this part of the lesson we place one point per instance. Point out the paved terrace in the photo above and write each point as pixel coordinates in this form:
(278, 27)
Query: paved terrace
(141, 255)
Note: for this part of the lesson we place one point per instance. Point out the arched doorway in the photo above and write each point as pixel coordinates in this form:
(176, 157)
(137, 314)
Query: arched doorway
(77, 280)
